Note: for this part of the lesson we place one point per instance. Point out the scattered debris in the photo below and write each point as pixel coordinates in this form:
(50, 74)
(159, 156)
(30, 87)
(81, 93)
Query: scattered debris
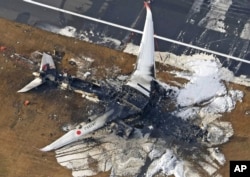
(247, 112)
(36, 56)
(26, 102)
(58, 54)
(18, 56)
(72, 62)
(67, 127)
(87, 74)
(53, 116)
(2, 48)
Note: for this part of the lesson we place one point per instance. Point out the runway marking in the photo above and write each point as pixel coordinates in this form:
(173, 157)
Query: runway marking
(136, 31)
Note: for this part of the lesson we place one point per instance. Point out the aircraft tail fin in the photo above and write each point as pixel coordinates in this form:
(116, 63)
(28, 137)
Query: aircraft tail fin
(47, 60)
(47, 64)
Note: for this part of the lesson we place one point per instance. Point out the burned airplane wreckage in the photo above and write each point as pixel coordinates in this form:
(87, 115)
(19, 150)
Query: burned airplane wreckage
(141, 105)
(127, 102)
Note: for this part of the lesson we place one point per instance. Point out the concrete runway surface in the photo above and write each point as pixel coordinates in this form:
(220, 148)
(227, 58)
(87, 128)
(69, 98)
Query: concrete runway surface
(218, 27)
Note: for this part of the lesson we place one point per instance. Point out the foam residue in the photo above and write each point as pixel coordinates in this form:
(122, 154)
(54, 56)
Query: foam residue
(205, 97)
(245, 34)
(214, 19)
(68, 31)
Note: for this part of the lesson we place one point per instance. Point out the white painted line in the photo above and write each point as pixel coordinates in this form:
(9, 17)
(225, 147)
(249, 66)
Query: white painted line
(136, 31)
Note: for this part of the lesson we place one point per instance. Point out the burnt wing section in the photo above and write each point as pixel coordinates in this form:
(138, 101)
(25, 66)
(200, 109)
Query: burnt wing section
(79, 84)
(134, 97)
(152, 71)
(129, 103)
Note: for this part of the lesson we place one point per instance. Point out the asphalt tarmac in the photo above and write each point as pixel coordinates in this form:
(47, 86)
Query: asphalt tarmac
(30, 14)
(179, 20)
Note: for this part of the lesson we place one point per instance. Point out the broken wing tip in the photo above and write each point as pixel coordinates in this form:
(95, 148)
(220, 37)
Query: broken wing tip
(46, 149)
(23, 90)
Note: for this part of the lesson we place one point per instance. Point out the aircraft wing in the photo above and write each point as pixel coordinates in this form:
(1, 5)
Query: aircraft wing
(78, 133)
(47, 59)
(36, 82)
(145, 67)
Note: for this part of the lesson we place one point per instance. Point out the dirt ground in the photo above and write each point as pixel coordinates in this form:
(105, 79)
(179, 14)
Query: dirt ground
(24, 129)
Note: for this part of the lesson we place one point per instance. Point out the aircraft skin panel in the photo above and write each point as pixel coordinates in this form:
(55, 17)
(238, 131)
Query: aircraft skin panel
(145, 68)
